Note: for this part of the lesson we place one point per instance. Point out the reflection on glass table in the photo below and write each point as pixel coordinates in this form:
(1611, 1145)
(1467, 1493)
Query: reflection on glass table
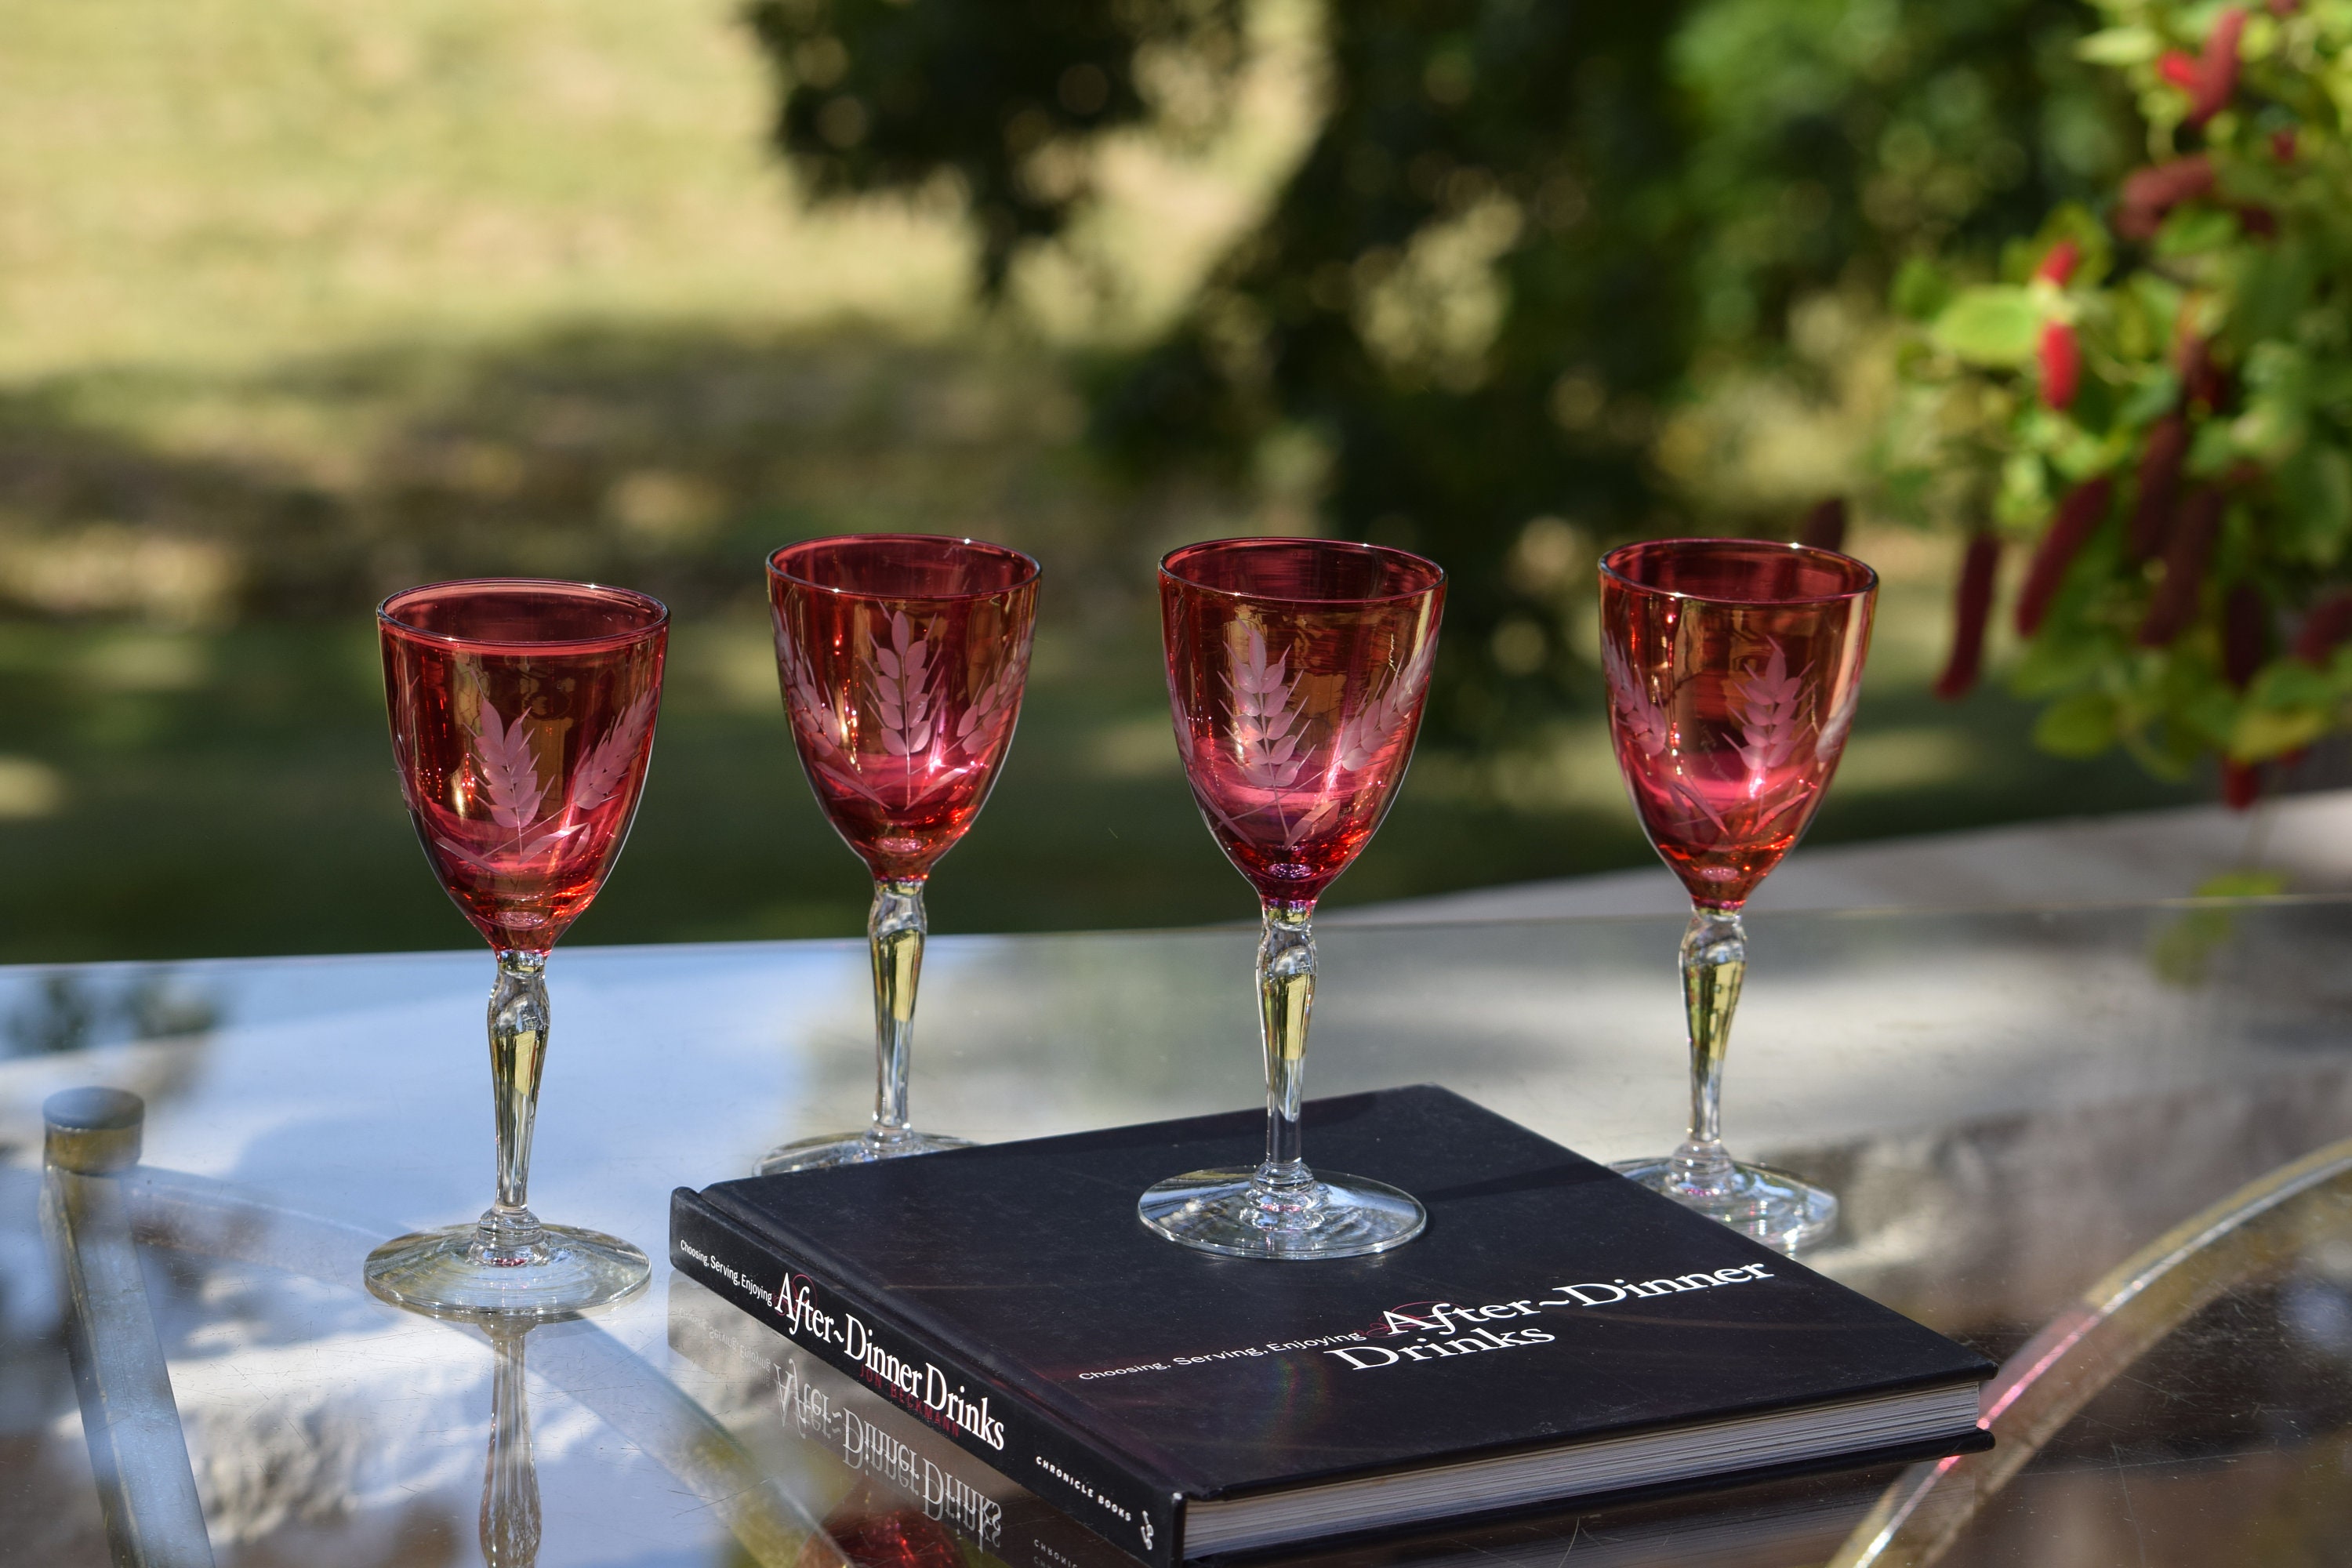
(2062, 1090)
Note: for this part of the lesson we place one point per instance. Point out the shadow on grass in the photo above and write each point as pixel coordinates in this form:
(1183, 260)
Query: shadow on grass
(668, 459)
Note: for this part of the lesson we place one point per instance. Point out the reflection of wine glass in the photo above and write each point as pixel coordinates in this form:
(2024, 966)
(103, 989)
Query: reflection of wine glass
(510, 1522)
(902, 658)
(1734, 667)
(869, 1529)
(1297, 669)
(523, 717)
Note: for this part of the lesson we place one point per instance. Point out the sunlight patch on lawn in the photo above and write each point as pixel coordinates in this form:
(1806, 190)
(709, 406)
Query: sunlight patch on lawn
(29, 788)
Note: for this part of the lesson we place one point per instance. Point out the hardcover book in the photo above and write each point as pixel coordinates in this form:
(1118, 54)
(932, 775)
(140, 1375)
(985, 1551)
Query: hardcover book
(895, 1480)
(1557, 1331)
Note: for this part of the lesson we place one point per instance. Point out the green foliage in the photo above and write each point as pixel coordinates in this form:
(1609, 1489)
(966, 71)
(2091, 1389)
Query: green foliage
(1521, 236)
(1995, 324)
(2227, 314)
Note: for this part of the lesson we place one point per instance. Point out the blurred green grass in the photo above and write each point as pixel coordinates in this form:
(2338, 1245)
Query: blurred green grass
(302, 302)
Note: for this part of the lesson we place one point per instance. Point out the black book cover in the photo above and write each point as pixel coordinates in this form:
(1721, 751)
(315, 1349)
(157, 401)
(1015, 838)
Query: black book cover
(1784, 1521)
(1008, 1296)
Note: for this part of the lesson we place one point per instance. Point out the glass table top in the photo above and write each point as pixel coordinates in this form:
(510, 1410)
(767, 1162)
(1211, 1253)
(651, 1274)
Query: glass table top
(2011, 1104)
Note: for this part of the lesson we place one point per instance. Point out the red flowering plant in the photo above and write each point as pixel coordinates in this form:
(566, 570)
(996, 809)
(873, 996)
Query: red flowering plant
(2155, 410)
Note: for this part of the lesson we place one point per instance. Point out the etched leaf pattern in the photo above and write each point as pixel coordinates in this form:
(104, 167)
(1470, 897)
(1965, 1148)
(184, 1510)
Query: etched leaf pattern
(1265, 724)
(1701, 810)
(814, 719)
(606, 766)
(508, 768)
(1362, 738)
(1766, 705)
(1267, 729)
(899, 675)
(1771, 723)
(510, 772)
(909, 708)
(1642, 719)
(995, 700)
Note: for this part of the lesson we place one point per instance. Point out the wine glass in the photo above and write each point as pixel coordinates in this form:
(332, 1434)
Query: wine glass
(522, 718)
(1734, 667)
(902, 657)
(1296, 669)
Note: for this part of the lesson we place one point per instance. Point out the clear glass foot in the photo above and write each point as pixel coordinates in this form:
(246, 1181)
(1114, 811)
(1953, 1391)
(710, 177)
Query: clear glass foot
(1232, 1213)
(1782, 1211)
(851, 1149)
(458, 1271)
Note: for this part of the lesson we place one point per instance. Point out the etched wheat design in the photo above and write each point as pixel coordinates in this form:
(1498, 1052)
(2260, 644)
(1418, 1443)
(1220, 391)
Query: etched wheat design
(510, 772)
(606, 766)
(906, 707)
(1640, 720)
(976, 729)
(1770, 701)
(1362, 738)
(805, 703)
(1644, 722)
(508, 769)
(899, 675)
(1265, 724)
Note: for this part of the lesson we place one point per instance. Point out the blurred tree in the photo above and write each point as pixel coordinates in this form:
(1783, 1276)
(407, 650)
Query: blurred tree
(1524, 230)
(900, 94)
(1462, 299)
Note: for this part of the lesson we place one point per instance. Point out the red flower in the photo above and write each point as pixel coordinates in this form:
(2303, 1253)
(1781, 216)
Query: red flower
(2241, 785)
(2159, 479)
(2167, 185)
(2217, 68)
(2328, 624)
(2060, 264)
(2062, 365)
(2186, 556)
(1971, 606)
(2283, 145)
(2148, 194)
(2178, 69)
(2078, 517)
(2202, 380)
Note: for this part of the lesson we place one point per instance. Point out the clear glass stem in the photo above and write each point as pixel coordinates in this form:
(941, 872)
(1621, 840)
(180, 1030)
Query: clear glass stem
(894, 932)
(1285, 999)
(510, 1232)
(509, 1524)
(1713, 962)
(1279, 1208)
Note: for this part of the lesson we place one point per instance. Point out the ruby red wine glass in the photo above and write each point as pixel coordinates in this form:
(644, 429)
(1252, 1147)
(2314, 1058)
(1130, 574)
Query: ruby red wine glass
(902, 657)
(1296, 669)
(1733, 668)
(522, 718)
